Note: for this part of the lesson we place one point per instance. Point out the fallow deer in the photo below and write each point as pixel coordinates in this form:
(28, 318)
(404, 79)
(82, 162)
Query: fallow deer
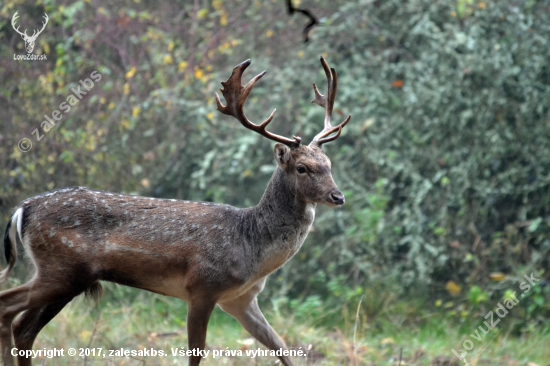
(203, 253)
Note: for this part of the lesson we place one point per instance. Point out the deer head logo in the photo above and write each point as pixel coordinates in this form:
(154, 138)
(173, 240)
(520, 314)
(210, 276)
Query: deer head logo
(29, 40)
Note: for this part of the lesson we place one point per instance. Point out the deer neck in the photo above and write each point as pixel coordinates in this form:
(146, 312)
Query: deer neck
(279, 224)
(281, 206)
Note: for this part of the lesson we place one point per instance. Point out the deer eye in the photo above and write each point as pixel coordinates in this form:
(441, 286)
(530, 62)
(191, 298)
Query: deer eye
(301, 170)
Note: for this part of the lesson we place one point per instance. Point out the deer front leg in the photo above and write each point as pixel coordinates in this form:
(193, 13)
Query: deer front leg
(198, 315)
(246, 311)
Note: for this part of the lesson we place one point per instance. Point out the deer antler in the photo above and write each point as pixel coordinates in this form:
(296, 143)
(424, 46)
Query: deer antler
(327, 101)
(235, 95)
(13, 20)
(24, 34)
(36, 33)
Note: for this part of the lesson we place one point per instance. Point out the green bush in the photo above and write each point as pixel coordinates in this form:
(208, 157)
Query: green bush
(444, 164)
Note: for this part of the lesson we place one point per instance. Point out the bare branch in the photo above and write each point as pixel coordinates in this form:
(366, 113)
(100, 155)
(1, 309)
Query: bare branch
(312, 19)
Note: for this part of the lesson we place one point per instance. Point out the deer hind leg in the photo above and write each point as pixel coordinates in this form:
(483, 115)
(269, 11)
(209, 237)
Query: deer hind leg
(30, 323)
(11, 303)
(246, 311)
(35, 294)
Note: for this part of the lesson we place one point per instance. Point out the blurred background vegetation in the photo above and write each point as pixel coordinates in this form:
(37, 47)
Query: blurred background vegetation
(444, 165)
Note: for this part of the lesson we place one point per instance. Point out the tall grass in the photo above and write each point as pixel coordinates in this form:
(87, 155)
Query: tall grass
(130, 319)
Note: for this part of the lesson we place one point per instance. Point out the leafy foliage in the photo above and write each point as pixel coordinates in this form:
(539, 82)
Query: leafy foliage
(444, 164)
(456, 107)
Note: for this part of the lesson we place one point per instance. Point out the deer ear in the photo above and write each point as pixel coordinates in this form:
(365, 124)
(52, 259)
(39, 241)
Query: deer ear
(282, 155)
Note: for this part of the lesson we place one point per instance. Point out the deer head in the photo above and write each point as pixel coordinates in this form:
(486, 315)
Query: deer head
(29, 40)
(307, 169)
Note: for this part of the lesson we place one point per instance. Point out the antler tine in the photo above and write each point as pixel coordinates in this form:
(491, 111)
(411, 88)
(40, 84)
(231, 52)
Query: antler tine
(235, 95)
(44, 23)
(327, 101)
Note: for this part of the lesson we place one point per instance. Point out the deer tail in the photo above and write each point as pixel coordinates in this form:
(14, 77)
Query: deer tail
(10, 243)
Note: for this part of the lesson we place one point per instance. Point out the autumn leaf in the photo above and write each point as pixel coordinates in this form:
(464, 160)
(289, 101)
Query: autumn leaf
(167, 60)
(453, 288)
(199, 74)
(123, 21)
(397, 84)
(130, 74)
(497, 276)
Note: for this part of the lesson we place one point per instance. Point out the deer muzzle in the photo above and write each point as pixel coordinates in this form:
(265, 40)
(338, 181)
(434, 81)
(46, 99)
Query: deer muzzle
(337, 197)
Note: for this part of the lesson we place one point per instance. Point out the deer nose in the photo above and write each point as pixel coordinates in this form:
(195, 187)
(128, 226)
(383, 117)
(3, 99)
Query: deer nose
(337, 197)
